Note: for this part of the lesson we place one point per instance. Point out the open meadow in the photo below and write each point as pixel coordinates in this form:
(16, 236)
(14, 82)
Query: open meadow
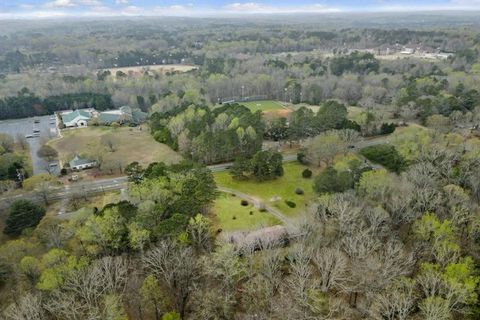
(275, 192)
(228, 214)
(123, 144)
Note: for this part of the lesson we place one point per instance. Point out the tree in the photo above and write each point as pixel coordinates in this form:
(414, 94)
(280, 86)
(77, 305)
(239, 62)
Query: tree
(331, 181)
(331, 116)
(267, 165)
(35, 181)
(134, 172)
(177, 269)
(47, 153)
(109, 143)
(324, 147)
(6, 142)
(23, 214)
(386, 155)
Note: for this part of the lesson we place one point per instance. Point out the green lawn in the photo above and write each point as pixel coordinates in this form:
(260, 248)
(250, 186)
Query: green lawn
(283, 187)
(263, 105)
(227, 207)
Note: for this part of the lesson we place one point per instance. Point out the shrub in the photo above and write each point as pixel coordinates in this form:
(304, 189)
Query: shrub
(63, 172)
(24, 214)
(302, 156)
(244, 203)
(291, 204)
(386, 155)
(307, 173)
(234, 218)
(331, 181)
(299, 191)
(251, 213)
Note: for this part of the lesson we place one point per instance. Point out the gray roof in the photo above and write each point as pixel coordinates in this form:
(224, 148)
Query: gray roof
(68, 117)
(77, 161)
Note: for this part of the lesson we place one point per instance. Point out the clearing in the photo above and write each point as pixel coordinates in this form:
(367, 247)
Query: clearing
(275, 192)
(122, 144)
(263, 105)
(230, 215)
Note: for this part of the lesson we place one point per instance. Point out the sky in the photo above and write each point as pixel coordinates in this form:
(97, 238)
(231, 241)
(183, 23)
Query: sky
(106, 8)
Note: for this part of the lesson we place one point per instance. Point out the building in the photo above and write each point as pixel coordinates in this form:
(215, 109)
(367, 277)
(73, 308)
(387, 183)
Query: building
(123, 115)
(78, 163)
(77, 118)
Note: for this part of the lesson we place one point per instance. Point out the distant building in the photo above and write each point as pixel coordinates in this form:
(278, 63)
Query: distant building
(80, 118)
(78, 163)
(77, 118)
(123, 115)
(407, 50)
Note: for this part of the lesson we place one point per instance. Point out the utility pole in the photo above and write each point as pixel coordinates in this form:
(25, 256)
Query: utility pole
(243, 88)
(285, 95)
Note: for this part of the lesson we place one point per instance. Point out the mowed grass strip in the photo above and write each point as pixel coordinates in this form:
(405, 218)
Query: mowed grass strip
(230, 215)
(129, 144)
(282, 188)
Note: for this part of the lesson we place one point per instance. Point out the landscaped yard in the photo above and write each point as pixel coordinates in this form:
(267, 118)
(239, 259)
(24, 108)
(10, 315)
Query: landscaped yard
(230, 215)
(282, 188)
(123, 144)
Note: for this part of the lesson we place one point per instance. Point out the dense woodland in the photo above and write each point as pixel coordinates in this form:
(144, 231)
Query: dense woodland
(398, 239)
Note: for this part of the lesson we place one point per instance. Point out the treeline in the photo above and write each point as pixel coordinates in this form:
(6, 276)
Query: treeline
(304, 122)
(210, 135)
(27, 104)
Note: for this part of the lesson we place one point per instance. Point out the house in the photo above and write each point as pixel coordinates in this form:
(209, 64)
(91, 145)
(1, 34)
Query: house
(77, 118)
(78, 163)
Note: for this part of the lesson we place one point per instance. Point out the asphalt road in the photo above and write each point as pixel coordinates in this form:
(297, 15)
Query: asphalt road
(25, 126)
(99, 186)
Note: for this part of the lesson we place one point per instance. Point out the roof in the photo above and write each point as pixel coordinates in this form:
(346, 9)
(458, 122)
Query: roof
(109, 117)
(138, 116)
(69, 117)
(77, 161)
(124, 114)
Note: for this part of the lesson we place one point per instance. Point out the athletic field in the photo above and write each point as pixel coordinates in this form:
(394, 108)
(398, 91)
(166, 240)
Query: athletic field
(263, 105)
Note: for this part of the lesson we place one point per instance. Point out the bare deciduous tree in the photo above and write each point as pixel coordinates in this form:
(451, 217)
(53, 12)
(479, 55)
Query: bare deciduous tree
(177, 269)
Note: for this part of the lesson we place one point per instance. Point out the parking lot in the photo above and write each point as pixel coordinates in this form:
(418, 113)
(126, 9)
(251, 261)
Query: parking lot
(24, 128)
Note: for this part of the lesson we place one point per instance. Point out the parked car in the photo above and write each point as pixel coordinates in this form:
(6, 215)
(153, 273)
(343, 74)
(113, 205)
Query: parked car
(36, 121)
(29, 136)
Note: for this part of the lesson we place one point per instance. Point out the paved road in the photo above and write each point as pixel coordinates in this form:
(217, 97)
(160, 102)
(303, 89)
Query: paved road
(23, 127)
(98, 186)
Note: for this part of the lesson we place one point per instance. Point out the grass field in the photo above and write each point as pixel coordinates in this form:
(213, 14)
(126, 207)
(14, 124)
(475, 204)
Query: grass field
(283, 187)
(129, 144)
(264, 105)
(227, 207)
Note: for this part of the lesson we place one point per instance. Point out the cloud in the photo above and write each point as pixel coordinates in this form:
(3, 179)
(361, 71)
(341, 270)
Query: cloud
(466, 3)
(122, 2)
(60, 4)
(255, 7)
(248, 6)
(95, 3)
(175, 10)
(132, 10)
